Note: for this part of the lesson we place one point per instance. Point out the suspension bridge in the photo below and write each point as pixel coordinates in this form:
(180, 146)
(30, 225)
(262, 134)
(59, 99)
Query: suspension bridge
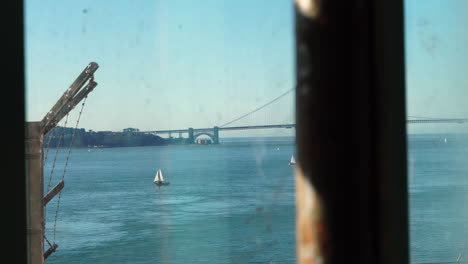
(213, 132)
(35, 158)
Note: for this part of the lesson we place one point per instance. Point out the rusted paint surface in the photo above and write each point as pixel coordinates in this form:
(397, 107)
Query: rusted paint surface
(309, 8)
(310, 227)
(350, 132)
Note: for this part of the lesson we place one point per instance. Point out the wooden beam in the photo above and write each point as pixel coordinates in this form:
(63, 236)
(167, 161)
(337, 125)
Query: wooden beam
(67, 97)
(71, 104)
(50, 251)
(57, 188)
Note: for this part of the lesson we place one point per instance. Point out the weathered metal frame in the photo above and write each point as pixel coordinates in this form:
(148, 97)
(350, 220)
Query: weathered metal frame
(35, 132)
(386, 140)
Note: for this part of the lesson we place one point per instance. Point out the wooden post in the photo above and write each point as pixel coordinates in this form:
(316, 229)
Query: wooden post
(34, 192)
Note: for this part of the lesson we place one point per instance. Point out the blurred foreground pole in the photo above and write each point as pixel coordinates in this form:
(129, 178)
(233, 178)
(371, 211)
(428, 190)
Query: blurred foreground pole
(351, 192)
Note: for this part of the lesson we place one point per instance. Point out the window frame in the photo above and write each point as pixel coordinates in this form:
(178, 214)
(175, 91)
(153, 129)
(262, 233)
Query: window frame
(350, 65)
(14, 195)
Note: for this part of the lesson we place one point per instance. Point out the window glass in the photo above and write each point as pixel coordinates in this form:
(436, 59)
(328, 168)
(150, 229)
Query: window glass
(174, 78)
(436, 62)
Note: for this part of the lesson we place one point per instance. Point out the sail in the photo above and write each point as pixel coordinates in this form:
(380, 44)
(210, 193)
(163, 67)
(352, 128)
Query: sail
(156, 177)
(160, 175)
(293, 161)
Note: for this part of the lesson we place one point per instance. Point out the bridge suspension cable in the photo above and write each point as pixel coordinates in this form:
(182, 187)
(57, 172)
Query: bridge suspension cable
(261, 107)
(424, 117)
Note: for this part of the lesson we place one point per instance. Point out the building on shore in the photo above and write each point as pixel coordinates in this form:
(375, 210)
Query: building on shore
(203, 141)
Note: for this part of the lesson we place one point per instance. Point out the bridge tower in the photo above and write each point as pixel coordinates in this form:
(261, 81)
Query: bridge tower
(216, 135)
(190, 139)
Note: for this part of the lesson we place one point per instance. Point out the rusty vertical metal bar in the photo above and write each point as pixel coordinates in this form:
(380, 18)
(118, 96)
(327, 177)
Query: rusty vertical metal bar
(350, 112)
(34, 193)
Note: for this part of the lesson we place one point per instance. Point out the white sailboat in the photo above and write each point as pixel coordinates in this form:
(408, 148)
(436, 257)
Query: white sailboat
(293, 161)
(159, 179)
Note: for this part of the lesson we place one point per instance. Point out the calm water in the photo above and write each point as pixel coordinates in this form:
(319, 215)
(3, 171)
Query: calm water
(227, 203)
(232, 203)
(438, 185)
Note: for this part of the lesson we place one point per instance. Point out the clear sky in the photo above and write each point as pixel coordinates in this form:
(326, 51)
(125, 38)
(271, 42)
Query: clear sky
(436, 62)
(177, 64)
(163, 64)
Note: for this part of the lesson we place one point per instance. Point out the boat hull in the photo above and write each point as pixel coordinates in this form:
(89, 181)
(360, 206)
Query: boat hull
(159, 183)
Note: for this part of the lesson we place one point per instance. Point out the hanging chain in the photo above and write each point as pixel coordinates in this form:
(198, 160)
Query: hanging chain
(43, 165)
(73, 137)
(54, 162)
(56, 152)
(66, 163)
(48, 242)
(47, 146)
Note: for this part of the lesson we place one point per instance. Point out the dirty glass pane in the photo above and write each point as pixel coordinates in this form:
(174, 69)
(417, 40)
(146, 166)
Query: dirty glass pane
(436, 63)
(202, 91)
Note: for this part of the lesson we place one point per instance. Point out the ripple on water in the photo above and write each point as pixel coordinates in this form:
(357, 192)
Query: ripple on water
(85, 234)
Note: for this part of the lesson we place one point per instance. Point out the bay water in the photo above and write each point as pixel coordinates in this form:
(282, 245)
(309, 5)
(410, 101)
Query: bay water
(230, 203)
(438, 198)
(227, 203)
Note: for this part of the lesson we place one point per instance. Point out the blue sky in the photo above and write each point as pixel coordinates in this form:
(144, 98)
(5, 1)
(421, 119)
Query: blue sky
(163, 64)
(436, 62)
(178, 64)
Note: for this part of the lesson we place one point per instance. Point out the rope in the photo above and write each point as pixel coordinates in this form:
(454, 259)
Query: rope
(66, 164)
(259, 108)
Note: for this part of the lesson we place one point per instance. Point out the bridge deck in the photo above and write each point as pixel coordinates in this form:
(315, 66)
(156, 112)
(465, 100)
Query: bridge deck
(208, 129)
(198, 130)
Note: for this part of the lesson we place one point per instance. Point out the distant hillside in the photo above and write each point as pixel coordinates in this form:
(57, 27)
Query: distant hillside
(83, 138)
